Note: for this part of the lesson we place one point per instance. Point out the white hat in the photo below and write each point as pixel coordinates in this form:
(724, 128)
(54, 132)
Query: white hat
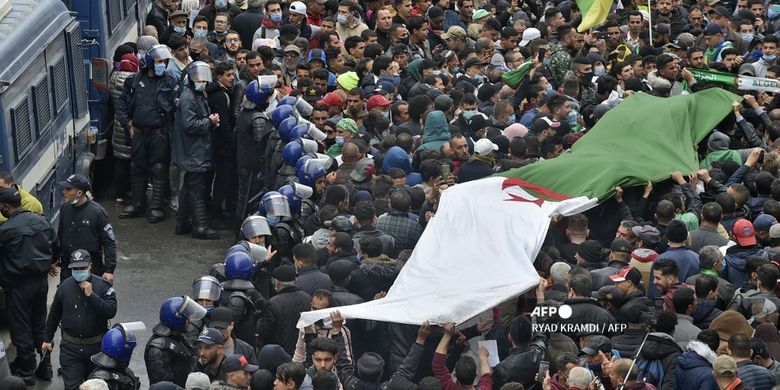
(529, 35)
(197, 381)
(484, 147)
(298, 8)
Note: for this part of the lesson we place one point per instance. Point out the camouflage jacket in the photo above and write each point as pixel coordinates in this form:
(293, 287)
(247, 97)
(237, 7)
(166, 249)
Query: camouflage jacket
(560, 63)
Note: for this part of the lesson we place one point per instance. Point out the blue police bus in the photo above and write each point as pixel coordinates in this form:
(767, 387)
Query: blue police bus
(44, 115)
(105, 25)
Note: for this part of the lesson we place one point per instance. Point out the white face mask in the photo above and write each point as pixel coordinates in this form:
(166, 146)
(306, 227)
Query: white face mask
(75, 199)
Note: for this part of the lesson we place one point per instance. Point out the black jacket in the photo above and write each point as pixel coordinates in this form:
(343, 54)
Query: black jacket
(660, 346)
(585, 311)
(634, 299)
(221, 102)
(340, 296)
(191, 139)
(246, 23)
(210, 12)
(167, 357)
(522, 364)
(600, 277)
(27, 247)
(628, 342)
(401, 378)
(277, 324)
(370, 279)
(87, 227)
(80, 315)
(158, 17)
(147, 101)
(474, 169)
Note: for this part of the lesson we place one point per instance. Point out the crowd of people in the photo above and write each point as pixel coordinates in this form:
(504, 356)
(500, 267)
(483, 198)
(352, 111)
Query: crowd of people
(322, 134)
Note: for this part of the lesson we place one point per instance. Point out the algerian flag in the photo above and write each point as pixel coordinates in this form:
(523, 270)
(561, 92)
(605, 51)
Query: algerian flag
(745, 83)
(514, 77)
(643, 138)
(594, 12)
(478, 250)
(474, 254)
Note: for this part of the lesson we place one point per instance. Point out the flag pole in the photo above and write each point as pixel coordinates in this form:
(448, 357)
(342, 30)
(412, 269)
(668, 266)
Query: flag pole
(650, 20)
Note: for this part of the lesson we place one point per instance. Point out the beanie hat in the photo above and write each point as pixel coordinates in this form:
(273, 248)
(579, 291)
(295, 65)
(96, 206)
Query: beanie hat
(348, 80)
(718, 141)
(348, 125)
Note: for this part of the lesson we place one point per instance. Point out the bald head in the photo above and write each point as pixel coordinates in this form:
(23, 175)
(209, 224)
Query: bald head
(150, 30)
(350, 153)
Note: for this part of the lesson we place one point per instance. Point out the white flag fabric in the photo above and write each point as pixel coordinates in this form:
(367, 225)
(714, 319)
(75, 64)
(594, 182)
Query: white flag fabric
(477, 252)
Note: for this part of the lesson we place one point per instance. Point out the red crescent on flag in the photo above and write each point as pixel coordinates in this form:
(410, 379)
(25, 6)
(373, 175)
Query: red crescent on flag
(544, 192)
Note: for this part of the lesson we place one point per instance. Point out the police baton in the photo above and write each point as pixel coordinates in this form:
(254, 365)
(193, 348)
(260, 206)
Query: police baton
(633, 361)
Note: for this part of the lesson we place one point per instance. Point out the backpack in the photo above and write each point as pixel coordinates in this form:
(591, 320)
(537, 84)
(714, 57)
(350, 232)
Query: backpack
(650, 371)
(742, 301)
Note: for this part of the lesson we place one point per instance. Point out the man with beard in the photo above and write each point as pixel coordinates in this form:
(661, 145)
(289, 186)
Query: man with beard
(666, 10)
(231, 47)
(569, 44)
(211, 354)
(219, 34)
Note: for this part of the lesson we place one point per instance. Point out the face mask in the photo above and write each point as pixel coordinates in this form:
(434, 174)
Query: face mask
(769, 58)
(339, 140)
(386, 114)
(747, 37)
(511, 119)
(272, 220)
(180, 30)
(200, 86)
(199, 33)
(159, 69)
(80, 276)
(587, 77)
(469, 114)
(773, 12)
(75, 200)
(599, 70)
(572, 119)
(549, 88)
(755, 54)
(342, 19)
(208, 307)
(220, 4)
(480, 79)
(195, 56)
(547, 61)
(436, 72)
(457, 70)
(276, 18)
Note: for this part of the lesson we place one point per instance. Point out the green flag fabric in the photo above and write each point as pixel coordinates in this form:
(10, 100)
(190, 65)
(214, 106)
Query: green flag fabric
(643, 138)
(514, 77)
(594, 12)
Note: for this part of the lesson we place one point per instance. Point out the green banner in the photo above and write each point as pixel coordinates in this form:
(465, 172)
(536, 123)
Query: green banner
(741, 82)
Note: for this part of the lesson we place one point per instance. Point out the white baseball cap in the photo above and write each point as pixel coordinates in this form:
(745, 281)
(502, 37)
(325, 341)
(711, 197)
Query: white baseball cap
(484, 147)
(529, 35)
(298, 8)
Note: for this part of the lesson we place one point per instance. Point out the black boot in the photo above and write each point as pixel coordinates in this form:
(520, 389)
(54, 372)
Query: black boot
(44, 370)
(136, 207)
(159, 189)
(197, 198)
(183, 224)
(25, 369)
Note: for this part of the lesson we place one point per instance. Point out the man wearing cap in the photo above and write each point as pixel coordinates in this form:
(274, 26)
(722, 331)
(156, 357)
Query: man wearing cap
(238, 372)
(177, 24)
(27, 254)
(629, 280)
(713, 35)
(686, 259)
(221, 318)
(29, 202)
(346, 129)
(84, 225)
(456, 39)
(736, 256)
(725, 370)
(481, 165)
(211, 354)
(297, 15)
(277, 324)
(619, 256)
(82, 307)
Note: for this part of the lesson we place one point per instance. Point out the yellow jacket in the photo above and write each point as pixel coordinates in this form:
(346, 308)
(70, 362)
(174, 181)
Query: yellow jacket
(29, 202)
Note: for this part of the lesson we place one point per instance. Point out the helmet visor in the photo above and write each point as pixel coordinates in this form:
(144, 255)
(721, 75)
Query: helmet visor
(132, 330)
(192, 310)
(302, 191)
(208, 288)
(277, 206)
(254, 226)
(160, 52)
(200, 71)
(258, 252)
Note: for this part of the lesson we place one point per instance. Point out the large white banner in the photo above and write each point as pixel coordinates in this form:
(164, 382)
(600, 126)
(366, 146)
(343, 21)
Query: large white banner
(477, 252)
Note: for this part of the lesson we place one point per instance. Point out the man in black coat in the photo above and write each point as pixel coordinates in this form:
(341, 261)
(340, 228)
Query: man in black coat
(247, 22)
(158, 15)
(277, 324)
(584, 309)
(220, 93)
(527, 351)
(481, 165)
(210, 11)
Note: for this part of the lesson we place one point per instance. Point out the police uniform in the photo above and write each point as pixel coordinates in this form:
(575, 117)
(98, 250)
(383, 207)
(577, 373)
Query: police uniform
(114, 357)
(27, 243)
(148, 101)
(168, 357)
(83, 319)
(86, 227)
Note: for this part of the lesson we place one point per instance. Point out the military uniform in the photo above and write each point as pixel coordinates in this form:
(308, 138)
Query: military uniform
(84, 320)
(560, 63)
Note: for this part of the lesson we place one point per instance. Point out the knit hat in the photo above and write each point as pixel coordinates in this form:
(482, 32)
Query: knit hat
(718, 141)
(676, 231)
(479, 14)
(348, 125)
(644, 255)
(764, 222)
(590, 251)
(348, 80)
(363, 171)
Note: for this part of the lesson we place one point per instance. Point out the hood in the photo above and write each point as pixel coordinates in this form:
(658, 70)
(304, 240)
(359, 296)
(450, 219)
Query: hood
(415, 69)
(702, 350)
(396, 158)
(658, 82)
(658, 346)
(718, 141)
(436, 128)
(272, 356)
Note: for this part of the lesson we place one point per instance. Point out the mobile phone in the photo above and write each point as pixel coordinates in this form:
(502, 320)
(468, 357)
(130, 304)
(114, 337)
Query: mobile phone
(761, 157)
(445, 170)
(327, 322)
(544, 366)
(542, 52)
(659, 304)
(602, 35)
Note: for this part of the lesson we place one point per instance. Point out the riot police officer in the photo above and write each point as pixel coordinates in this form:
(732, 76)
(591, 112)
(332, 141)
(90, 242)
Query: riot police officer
(145, 110)
(289, 231)
(240, 295)
(311, 170)
(113, 360)
(206, 290)
(27, 247)
(167, 355)
(82, 307)
(84, 225)
(253, 129)
(191, 140)
(256, 235)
